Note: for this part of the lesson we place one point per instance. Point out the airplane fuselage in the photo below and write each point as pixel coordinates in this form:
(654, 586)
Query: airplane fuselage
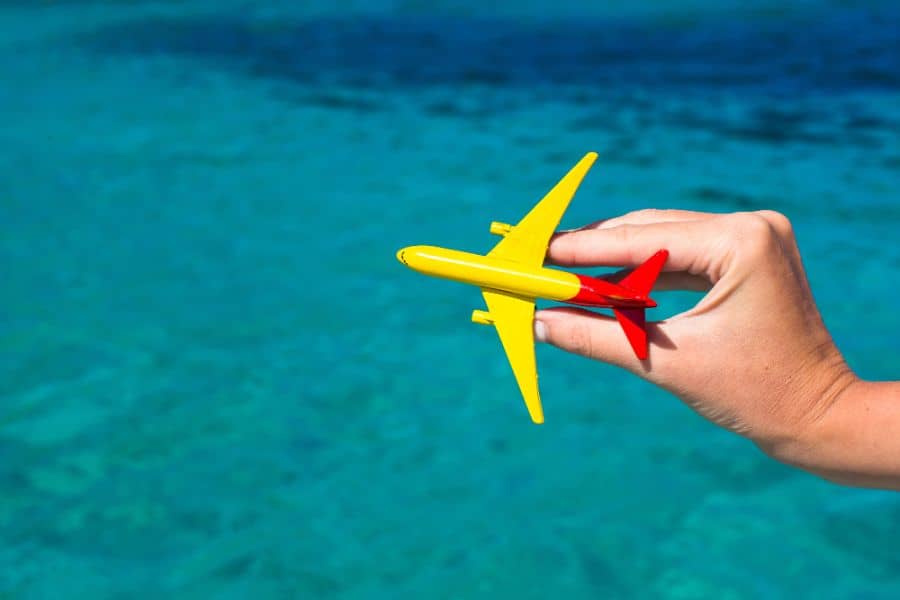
(521, 280)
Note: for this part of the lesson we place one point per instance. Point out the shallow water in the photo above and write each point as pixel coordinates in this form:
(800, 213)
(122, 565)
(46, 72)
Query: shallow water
(216, 380)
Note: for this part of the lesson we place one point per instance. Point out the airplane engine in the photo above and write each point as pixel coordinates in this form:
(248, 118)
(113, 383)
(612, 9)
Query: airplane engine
(482, 317)
(498, 228)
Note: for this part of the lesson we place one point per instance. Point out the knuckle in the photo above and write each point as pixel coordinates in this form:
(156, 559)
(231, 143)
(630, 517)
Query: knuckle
(624, 234)
(778, 221)
(754, 233)
(757, 228)
(581, 247)
(653, 214)
(581, 340)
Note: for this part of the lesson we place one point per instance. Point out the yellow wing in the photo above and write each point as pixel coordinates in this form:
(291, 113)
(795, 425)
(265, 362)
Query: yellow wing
(513, 316)
(527, 242)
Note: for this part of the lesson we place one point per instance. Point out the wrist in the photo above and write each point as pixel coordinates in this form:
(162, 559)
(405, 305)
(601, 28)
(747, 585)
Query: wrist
(813, 439)
(855, 441)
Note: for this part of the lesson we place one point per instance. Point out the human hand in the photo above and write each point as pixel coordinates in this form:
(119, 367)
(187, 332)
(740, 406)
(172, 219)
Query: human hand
(752, 356)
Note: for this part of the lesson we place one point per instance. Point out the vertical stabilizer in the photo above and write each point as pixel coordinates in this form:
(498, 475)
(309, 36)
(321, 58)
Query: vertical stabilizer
(641, 280)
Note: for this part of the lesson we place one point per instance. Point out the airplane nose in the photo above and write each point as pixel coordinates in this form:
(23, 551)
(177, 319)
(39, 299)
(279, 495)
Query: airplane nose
(401, 256)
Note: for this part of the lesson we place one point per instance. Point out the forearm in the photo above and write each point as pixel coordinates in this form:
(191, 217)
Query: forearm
(857, 441)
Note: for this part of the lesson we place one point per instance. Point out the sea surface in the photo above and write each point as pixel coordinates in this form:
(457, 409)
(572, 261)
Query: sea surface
(216, 381)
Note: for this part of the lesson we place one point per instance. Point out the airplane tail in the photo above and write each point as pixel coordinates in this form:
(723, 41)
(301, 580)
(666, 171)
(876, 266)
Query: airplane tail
(641, 280)
(632, 320)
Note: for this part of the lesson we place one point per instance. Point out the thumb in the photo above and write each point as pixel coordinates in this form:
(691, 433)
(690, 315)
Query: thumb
(600, 337)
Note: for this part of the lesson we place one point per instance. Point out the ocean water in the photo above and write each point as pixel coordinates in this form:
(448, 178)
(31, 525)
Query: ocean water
(216, 380)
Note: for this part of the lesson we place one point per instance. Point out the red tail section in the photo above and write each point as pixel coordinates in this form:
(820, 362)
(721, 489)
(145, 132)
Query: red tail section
(641, 280)
(633, 324)
(632, 320)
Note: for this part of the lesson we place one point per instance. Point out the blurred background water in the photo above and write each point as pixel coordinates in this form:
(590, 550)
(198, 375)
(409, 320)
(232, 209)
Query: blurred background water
(217, 381)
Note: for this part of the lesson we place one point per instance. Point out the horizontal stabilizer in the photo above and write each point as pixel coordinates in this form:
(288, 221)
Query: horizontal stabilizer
(634, 325)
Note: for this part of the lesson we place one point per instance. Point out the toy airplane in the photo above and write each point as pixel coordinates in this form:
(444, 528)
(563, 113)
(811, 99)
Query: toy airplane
(512, 275)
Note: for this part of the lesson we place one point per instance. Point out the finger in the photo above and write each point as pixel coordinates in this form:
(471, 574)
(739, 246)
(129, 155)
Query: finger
(654, 215)
(782, 226)
(645, 216)
(601, 338)
(690, 245)
(779, 223)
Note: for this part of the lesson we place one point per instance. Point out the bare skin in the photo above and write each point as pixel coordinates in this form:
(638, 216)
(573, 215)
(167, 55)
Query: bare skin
(753, 355)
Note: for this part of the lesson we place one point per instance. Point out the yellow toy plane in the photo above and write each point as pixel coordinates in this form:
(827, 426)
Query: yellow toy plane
(512, 275)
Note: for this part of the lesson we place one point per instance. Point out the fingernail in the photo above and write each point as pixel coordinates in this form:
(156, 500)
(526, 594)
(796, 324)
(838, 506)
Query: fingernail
(540, 331)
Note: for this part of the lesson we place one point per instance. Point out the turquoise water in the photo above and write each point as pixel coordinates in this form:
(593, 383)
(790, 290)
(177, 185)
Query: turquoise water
(217, 381)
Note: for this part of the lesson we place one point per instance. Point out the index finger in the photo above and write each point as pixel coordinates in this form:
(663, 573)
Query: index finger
(690, 245)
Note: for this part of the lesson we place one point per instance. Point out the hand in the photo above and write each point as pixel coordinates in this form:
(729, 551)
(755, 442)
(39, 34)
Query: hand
(752, 356)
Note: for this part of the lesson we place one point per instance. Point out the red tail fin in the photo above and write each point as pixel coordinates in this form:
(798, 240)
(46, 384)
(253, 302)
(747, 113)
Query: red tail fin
(632, 320)
(641, 280)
